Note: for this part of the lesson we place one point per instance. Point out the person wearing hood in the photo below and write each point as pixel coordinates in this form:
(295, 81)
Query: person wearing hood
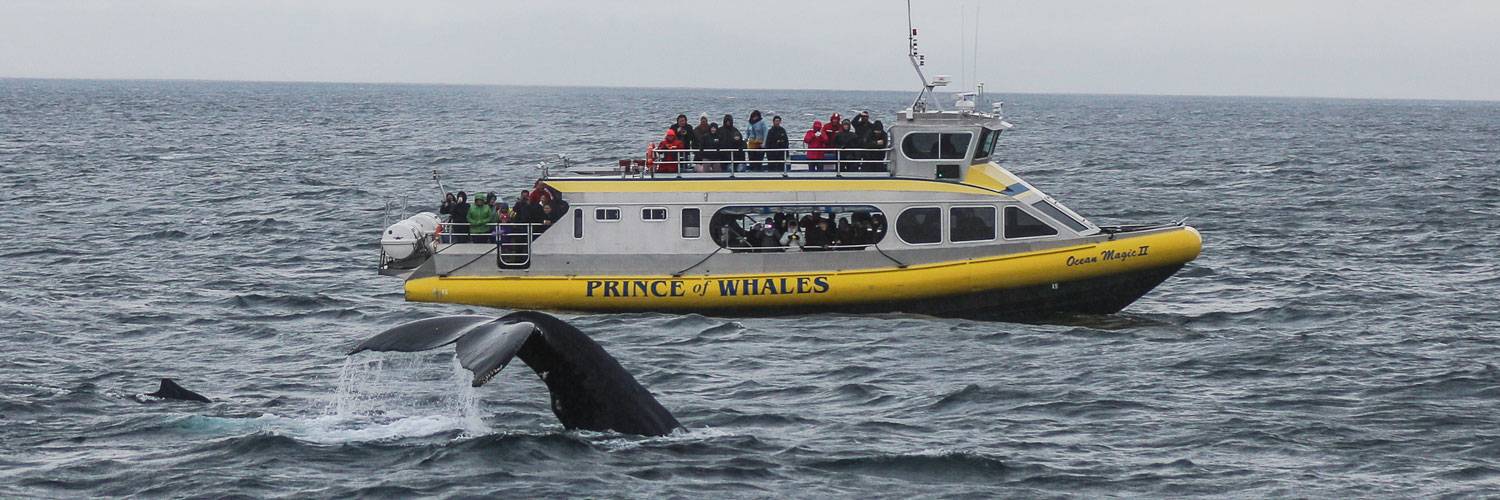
(878, 139)
(846, 139)
(709, 142)
(480, 218)
(458, 219)
(776, 139)
(731, 139)
(700, 138)
(816, 140)
(755, 139)
(666, 148)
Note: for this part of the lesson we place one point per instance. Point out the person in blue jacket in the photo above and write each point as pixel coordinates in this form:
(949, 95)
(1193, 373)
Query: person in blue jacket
(755, 139)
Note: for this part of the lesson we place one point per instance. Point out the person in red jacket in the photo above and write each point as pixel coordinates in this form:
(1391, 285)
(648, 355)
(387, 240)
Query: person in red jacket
(815, 140)
(668, 163)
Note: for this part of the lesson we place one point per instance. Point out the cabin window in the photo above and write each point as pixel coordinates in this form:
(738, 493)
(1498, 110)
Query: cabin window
(654, 214)
(1050, 210)
(1019, 224)
(936, 146)
(690, 222)
(987, 139)
(577, 223)
(607, 214)
(971, 224)
(783, 228)
(918, 226)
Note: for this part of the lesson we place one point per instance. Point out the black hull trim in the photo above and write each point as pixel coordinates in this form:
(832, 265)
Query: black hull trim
(1102, 295)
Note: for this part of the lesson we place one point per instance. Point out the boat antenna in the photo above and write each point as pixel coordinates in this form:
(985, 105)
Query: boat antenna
(917, 61)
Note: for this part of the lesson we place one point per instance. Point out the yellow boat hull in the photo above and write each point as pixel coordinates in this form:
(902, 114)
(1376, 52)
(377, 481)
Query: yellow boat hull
(1094, 278)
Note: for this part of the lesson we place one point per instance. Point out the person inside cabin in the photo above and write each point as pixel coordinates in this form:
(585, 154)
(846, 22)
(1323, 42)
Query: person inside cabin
(480, 218)
(755, 140)
(878, 140)
(846, 139)
(819, 237)
(846, 235)
(790, 235)
(710, 144)
(550, 214)
(685, 134)
(665, 149)
(700, 137)
(776, 139)
(815, 141)
(730, 139)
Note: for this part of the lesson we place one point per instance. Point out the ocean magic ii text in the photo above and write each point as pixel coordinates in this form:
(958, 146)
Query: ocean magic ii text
(747, 287)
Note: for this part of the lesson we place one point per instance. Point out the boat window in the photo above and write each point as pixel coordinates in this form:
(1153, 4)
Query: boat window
(782, 228)
(607, 214)
(955, 146)
(654, 214)
(987, 139)
(577, 223)
(1019, 224)
(935, 146)
(690, 223)
(1050, 210)
(971, 224)
(920, 146)
(919, 226)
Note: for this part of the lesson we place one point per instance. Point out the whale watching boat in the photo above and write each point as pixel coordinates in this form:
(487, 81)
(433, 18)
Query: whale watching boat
(930, 224)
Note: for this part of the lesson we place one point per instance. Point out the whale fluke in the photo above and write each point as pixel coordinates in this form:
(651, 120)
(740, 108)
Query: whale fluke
(590, 390)
(170, 390)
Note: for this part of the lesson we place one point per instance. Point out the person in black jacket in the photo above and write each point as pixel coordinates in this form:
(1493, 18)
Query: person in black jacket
(457, 230)
(846, 139)
(731, 139)
(878, 140)
(684, 133)
(776, 139)
(710, 143)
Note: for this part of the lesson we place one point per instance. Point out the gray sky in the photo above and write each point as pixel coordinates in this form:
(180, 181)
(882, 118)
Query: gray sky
(1447, 49)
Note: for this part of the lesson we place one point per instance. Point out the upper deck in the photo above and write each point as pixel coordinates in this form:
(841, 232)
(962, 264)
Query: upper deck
(925, 146)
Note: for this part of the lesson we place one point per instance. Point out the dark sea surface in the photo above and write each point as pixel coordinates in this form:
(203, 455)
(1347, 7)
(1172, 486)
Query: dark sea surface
(1337, 338)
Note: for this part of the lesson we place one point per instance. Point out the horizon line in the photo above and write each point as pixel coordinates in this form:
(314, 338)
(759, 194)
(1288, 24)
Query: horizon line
(653, 87)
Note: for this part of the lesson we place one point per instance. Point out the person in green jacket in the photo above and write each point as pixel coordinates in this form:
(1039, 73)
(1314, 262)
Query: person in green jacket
(480, 218)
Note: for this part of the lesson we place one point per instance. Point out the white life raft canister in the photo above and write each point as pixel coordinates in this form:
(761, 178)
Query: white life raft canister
(401, 239)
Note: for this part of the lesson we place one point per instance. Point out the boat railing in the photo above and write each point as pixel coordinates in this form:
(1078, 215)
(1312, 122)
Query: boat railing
(797, 248)
(787, 162)
(512, 240)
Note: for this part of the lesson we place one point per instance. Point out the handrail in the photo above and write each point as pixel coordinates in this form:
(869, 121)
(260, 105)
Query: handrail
(739, 161)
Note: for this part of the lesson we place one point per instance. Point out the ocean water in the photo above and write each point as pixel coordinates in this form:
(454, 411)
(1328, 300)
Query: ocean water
(1337, 338)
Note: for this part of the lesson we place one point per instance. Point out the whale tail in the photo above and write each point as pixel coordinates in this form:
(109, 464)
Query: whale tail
(170, 390)
(589, 388)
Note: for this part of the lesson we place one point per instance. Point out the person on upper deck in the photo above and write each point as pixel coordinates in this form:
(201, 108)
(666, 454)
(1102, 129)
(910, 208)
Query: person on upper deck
(700, 137)
(710, 144)
(731, 139)
(755, 138)
(776, 139)
(846, 139)
(669, 158)
(816, 140)
(878, 139)
(684, 133)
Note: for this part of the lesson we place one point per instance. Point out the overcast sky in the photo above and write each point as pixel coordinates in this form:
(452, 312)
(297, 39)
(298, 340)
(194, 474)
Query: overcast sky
(1448, 49)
